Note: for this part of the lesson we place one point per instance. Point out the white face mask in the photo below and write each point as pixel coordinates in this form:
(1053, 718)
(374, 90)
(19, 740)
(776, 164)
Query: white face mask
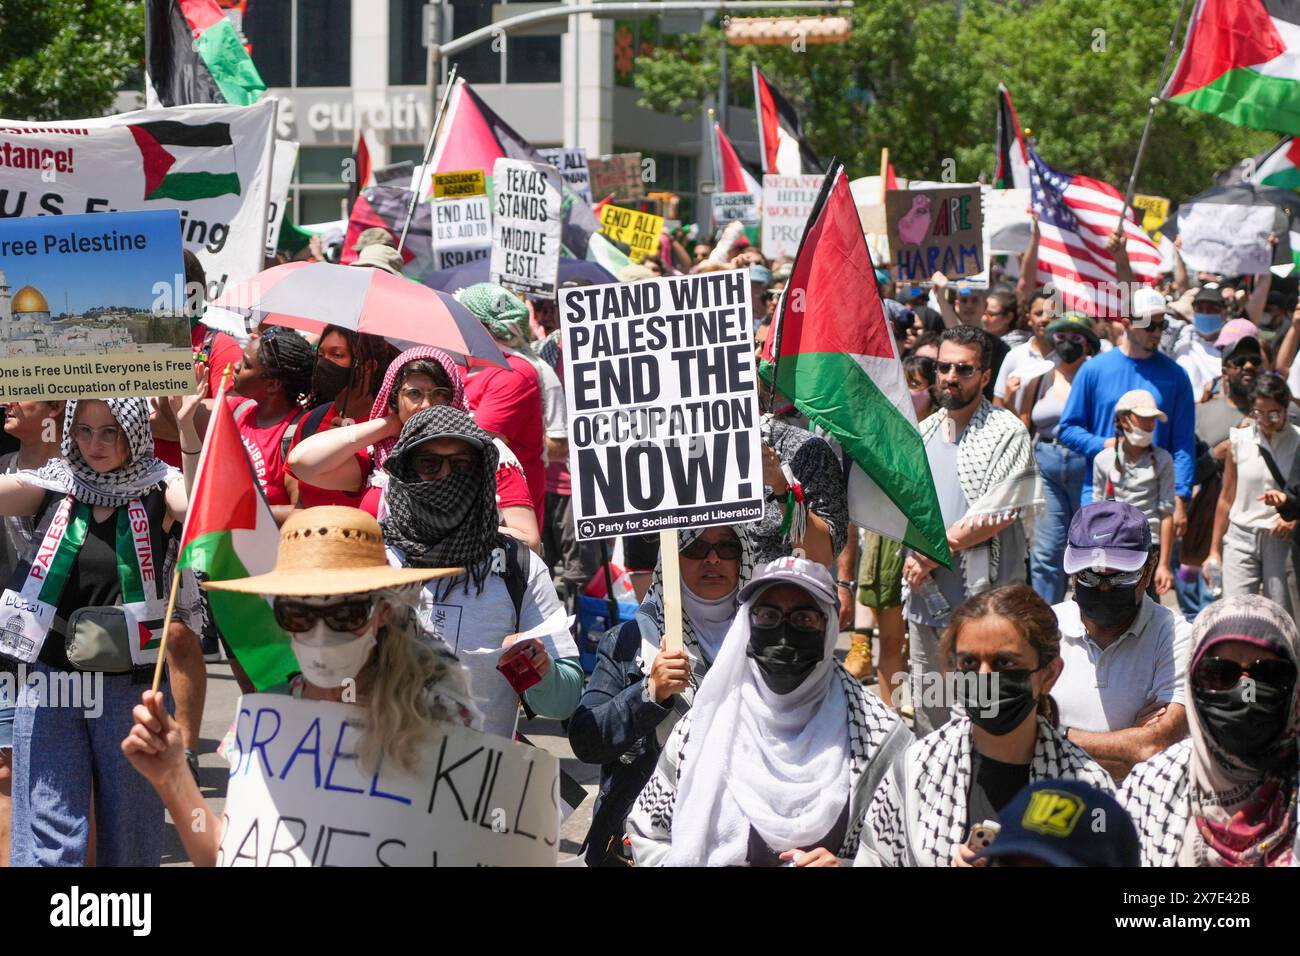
(329, 657)
(1139, 437)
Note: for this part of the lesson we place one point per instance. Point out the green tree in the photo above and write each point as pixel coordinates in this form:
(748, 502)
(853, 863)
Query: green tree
(920, 77)
(65, 59)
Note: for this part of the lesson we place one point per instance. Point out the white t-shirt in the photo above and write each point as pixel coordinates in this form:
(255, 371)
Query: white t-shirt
(1103, 690)
(474, 625)
(1202, 362)
(1020, 358)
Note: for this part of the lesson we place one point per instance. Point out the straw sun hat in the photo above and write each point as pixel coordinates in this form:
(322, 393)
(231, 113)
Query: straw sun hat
(326, 551)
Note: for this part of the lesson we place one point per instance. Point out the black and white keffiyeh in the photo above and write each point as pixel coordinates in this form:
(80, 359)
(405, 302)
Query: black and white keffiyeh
(1155, 796)
(921, 819)
(451, 522)
(72, 475)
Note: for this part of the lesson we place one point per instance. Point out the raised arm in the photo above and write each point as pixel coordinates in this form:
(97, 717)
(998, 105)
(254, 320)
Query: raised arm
(328, 459)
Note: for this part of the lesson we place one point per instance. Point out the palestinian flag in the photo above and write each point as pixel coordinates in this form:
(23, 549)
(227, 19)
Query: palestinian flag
(1013, 158)
(780, 133)
(193, 54)
(732, 176)
(475, 137)
(1279, 168)
(178, 159)
(385, 207)
(1241, 62)
(831, 352)
(230, 533)
(361, 167)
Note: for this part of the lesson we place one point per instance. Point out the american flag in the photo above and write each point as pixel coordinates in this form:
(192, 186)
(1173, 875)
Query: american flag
(1076, 216)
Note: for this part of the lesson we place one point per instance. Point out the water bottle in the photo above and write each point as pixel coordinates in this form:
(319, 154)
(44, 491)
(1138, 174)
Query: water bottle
(1214, 578)
(936, 605)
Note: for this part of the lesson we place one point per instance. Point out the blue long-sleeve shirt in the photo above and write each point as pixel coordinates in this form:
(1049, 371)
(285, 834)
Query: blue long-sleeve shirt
(1089, 416)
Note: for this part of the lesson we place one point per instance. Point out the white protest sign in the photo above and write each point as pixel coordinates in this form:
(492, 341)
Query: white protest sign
(526, 226)
(462, 231)
(213, 163)
(572, 164)
(1007, 223)
(299, 796)
(662, 404)
(740, 207)
(1226, 238)
(787, 201)
(282, 163)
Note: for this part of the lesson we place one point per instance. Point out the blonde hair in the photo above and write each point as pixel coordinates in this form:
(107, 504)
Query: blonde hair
(405, 686)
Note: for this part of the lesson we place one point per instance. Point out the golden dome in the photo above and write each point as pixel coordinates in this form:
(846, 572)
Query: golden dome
(28, 299)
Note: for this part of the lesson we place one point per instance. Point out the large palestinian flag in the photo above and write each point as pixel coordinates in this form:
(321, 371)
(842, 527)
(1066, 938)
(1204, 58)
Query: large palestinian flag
(781, 145)
(193, 54)
(831, 353)
(1279, 168)
(1013, 157)
(1241, 62)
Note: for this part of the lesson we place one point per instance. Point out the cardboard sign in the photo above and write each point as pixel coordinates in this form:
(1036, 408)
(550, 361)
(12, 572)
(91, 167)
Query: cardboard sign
(282, 164)
(299, 796)
(468, 182)
(787, 201)
(663, 405)
(618, 176)
(526, 226)
(1155, 210)
(1226, 238)
(213, 163)
(572, 164)
(935, 230)
(462, 231)
(735, 207)
(639, 231)
(93, 307)
(1007, 222)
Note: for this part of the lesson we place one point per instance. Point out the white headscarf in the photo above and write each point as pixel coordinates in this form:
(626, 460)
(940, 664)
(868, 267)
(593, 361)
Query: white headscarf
(778, 763)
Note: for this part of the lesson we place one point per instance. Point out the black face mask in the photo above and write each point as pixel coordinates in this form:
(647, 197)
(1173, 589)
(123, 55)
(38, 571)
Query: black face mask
(1114, 608)
(1248, 729)
(785, 655)
(1007, 709)
(1067, 350)
(329, 380)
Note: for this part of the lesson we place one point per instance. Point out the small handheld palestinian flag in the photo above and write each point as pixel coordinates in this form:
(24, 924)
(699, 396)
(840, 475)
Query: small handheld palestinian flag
(193, 54)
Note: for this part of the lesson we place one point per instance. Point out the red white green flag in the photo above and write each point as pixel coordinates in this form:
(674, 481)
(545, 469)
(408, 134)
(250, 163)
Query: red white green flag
(831, 352)
(231, 533)
(1241, 62)
(193, 54)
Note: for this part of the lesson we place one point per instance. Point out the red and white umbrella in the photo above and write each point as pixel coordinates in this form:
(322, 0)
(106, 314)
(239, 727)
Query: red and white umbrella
(312, 295)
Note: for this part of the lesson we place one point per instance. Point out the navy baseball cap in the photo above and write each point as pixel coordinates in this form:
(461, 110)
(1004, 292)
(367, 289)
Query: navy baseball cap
(1066, 823)
(1107, 535)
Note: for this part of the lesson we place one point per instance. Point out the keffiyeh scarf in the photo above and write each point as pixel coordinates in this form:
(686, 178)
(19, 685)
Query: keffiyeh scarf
(500, 311)
(454, 372)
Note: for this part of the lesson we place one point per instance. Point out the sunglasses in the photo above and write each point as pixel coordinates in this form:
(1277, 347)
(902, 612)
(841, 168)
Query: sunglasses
(1220, 673)
(298, 618)
(1257, 361)
(801, 618)
(699, 549)
(963, 369)
(1272, 418)
(1115, 579)
(428, 465)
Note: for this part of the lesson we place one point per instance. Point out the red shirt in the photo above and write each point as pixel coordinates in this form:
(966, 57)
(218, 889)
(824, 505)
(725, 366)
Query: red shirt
(508, 402)
(224, 350)
(310, 496)
(263, 446)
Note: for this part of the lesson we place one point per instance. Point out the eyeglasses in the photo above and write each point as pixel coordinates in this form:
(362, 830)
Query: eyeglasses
(429, 465)
(964, 370)
(1241, 361)
(727, 549)
(801, 618)
(433, 396)
(1273, 418)
(1114, 579)
(297, 617)
(107, 435)
(1220, 673)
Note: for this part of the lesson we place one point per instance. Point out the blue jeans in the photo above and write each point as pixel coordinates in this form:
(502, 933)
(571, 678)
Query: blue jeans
(1193, 596)
(1063, 472)
(59, 752)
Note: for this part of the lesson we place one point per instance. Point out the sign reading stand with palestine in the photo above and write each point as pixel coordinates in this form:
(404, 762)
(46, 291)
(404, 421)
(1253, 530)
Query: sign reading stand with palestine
(93, 307)
(662, 404)
(526, 226)
(299, 795)
(935, 230)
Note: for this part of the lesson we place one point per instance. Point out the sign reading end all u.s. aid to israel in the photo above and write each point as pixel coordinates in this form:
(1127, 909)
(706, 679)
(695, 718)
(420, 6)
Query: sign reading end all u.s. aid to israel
(94, 307)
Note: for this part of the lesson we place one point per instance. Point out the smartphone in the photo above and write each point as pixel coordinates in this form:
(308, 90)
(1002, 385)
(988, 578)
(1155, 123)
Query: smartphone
(519, 672)
(982, 835)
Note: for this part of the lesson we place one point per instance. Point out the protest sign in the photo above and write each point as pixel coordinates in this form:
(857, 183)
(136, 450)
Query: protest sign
(935, 230)
(1155, 210)
(618, 176)
(299, 796)
(639, 231)
(662, 404)
(1226, 238)
(465, 183)
(462, 231)
(787, 201)
(572, 164)
(735, 207)
(282, 163)
(1007, 223)
(213, 163)
(526, 226)
(93, 307)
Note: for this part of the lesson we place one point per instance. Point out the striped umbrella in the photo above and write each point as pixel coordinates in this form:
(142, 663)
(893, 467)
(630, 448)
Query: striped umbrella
(312, 295)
